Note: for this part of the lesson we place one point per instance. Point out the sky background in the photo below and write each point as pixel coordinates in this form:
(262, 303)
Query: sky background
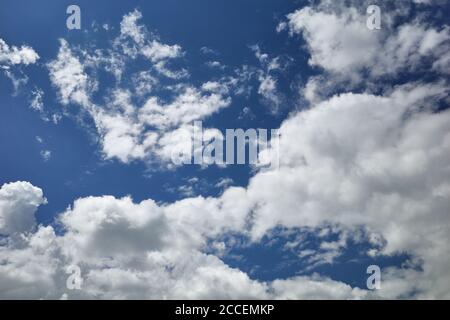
(57, 147)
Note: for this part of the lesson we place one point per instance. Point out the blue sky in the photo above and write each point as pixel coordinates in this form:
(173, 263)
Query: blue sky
(355, 182)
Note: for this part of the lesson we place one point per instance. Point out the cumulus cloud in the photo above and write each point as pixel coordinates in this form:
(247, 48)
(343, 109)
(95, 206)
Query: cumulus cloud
(30, 266)
(129, 129)
(147, 44)
(315, 287)
(12, 55)
(143, 250)
(12, 58)
(67, 73)
(18, 204)
(340, 43)
(373, 166)
(371, 161)
(355, 161)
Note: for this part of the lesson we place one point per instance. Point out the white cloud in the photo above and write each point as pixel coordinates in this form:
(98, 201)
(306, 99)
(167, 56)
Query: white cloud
(376, 163)
(340, 42)
(190, 105)
(224, 183)
(129, 27)
(11, 60)
(161, 67)
(268, 89)
(147, 45)
(367, 161)
(214, 64)
(371, 161)
(133, 251)
(18, 79)
(355, 160)
(131, 130)
(143, 83)
(18, 204)
(315, 287)
(37, 100)
(106, 226)
(120, 136)
(31, 266)
(157, 51)
(12, 55)
(206, 50)
(268, 86)
(68, 75)
(46, 155)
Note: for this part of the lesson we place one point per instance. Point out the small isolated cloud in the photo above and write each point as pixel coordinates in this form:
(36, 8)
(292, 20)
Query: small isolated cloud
(36, 102)
(46, 155)
(215, 64)
(208, 51)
